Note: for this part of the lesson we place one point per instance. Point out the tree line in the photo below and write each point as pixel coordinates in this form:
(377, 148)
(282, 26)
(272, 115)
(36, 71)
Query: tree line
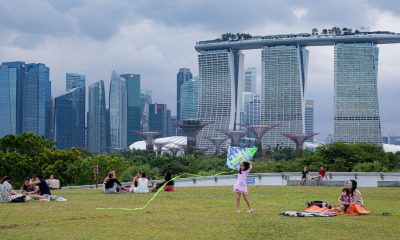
(27, 154)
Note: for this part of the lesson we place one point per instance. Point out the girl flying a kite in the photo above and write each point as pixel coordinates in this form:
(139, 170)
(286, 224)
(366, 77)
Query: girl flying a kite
(241, 186)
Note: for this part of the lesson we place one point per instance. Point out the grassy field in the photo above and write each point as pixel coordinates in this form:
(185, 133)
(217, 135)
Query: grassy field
(199, 213)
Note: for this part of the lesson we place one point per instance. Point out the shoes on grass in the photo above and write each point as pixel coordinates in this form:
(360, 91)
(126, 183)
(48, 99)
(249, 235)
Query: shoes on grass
(250, 210)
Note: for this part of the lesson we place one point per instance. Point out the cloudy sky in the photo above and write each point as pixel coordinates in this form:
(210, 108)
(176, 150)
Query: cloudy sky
(156, 37)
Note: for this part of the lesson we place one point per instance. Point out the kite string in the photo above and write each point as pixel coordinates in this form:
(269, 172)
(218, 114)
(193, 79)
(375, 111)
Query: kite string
(161, 188)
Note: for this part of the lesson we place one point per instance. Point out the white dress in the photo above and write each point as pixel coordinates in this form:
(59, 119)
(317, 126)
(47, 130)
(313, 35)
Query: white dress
(142, 186)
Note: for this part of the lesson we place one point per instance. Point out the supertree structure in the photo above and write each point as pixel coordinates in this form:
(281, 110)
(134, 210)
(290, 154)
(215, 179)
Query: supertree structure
(174, 149)
(299, 140)
(217, 141)
(159, 146)
(259, 131)
(234, 136)
(149, 138)
(191, 128)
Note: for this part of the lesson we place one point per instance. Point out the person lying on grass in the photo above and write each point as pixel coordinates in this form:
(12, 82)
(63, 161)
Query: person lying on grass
(142, 184)
(31, 191)
(44, 189)
(169, 184)
(112, 185)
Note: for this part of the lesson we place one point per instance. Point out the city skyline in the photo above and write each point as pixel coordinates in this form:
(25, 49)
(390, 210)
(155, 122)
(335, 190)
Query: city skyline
(167, 38)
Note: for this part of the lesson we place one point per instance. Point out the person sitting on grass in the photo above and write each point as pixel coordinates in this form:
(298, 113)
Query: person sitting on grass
(142, 184)
(53, 183)
(44, 189)
(6, 190)
(31, 191)
(112, 185)
(169, 183)
(135, 180)
(355, 195)
(344, 201)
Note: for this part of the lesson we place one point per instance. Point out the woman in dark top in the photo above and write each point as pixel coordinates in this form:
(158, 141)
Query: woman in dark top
(44, 189)
(112, 185)
(169, 184)
(30, 190)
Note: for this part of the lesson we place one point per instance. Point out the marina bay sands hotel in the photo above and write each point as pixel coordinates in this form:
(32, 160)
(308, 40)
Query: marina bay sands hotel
(284, 66)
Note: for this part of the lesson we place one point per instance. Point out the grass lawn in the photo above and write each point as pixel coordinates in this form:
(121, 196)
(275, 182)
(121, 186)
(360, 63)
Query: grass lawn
(199, 213)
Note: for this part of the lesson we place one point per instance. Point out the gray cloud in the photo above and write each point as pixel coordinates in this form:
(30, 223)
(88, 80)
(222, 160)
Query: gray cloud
(156, 38)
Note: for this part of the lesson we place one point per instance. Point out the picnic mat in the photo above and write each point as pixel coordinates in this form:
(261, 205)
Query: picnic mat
(306, 214)
(354, 209)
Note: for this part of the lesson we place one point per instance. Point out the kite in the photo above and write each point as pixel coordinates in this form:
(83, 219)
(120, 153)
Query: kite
(237, 155)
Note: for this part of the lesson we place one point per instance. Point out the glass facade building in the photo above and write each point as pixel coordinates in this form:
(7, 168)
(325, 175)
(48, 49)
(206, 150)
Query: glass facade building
(250, 75)
(145, 100)
(68, 120)
(356, 109)
(132, 82)
(309, 118)
(8, 100)
(97, 118)
(221, 75)
(189, 99)
(284, 74)
(36, 99)
(251, 107)
(118, 111)
(158, 119)
(183, 75)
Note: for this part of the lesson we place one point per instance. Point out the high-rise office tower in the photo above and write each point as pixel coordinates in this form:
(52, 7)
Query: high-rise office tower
(189, 99)
(8, 100)
(132, 82)
(78, 81)
(36, 99)
(97, 118)
(284, 74)
(309, 118)
(356, 114)
(118, 111)
(250, 75)
(158, 119)
(68, 122)
(251, 107)
(19, 67)
(221, 75)
(145, 101)
(183, 75)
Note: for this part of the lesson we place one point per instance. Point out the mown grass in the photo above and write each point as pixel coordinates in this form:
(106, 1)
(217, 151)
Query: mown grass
(199, 213)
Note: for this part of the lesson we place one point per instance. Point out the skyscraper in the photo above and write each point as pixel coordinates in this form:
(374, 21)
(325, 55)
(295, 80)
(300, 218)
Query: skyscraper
(183, 75)
(118, 111)
(19, 67)
(221, 74)
(145, 101)
(189, 99)
(249, 82)
(356, 114)
(75, 80)
(36, 99)
(68, 122)
(158, 119)
(97, 118)
(133, 106)
(309, 118)
(8, 100)
(284, 73)
(250, 108)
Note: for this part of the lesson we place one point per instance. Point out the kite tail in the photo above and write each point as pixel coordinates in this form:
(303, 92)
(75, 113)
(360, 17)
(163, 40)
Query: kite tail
(161, 189)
